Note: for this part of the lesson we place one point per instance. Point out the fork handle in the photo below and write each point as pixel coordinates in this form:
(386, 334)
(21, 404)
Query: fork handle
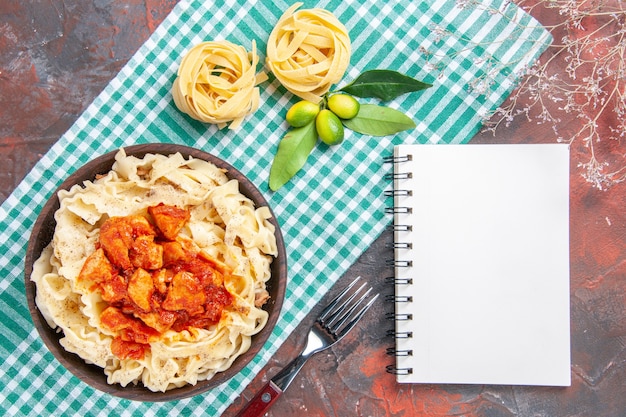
(261, 402)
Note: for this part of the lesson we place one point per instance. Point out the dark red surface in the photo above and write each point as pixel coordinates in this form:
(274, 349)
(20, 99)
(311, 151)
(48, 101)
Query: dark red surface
(56, 56)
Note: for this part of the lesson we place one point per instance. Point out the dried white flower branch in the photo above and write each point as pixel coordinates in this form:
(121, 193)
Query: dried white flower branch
(590, 41)
(578, 86)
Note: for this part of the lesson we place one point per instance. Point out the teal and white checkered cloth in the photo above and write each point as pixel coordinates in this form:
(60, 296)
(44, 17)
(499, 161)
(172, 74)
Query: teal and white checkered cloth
(329, 213)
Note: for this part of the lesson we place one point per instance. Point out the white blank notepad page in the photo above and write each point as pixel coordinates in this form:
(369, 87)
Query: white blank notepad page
(490, 264)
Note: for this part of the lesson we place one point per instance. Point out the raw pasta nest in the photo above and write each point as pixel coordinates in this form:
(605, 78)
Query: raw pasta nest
(216, 83)
(223, 224)
(308, 51)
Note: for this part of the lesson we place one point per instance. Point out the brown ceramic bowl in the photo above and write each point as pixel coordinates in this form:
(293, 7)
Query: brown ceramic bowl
(94, 376)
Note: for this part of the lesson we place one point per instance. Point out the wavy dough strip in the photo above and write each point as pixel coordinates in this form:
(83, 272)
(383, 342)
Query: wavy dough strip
(308, 51)
(219, 212)
(217, 83)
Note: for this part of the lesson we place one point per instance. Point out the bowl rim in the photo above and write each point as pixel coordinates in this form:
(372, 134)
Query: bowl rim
(94, 376)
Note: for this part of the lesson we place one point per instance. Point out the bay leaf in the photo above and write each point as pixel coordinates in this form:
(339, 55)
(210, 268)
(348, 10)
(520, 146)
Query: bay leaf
(375, 120)
(383, 84)
(293, 151)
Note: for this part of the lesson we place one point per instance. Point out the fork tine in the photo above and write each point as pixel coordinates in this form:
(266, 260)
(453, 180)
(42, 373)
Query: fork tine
(341, 309)
(345, 310)
(330, 307)
(357, 317)
(339, 320)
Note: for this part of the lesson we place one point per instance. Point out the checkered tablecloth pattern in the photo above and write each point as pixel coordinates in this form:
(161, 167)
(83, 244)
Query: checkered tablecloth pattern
(329, 213)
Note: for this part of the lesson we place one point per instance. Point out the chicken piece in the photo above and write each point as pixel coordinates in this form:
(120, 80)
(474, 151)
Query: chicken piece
(219, 298)
(202, 270)
(140, 225)
(115, 238)
(260, 298)
(114, 290)
(160, 321)
(113, 319)
(161, 279)
(185, 293)
(96, 269)
(146, 253)
(169, 219)
(117, 235)
(141, 288)
(128, 328)
(128, 350)
(173, 253)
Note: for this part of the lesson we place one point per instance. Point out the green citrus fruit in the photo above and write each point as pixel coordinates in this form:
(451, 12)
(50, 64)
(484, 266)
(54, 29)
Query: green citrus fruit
(329, 127)
(302, 113)
(343, 105)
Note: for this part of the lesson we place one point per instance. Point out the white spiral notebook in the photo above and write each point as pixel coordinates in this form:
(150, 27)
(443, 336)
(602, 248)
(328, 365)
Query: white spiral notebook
(481, 237)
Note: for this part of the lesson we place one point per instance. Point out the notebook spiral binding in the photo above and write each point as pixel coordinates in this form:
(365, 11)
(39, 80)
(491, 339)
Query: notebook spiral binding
(398, 174)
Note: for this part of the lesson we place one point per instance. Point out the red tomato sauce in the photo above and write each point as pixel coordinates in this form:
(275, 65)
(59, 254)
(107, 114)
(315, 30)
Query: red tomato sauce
(153, 280)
